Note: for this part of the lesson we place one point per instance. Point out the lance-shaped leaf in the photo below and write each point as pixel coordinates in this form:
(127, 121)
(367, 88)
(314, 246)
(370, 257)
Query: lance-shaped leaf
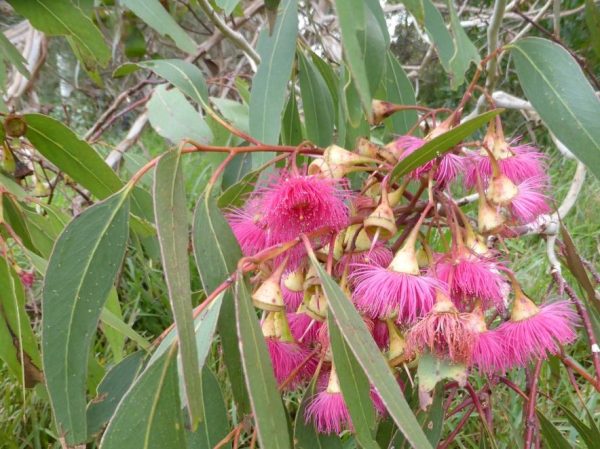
(269, 414)
(558, 90)
(149, 416)
(69, 153)
(441, 144)
(368, 355)
(216, 425)
(270, 82)
(111, 390)
(171, 223)
(317, 103)
(399, 90)
(464, 50)
(355, 387)
(553, 438)
(217, 253)
(81, 271)
(9, 53)
(182, 74)
(63, 18)
(157, 17)
(18, 344)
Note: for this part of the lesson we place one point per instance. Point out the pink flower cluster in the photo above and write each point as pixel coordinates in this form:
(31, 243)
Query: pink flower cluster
(455, 299)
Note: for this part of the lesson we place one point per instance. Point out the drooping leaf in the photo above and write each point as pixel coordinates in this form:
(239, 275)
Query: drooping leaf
(352, 122)
(399, 90)
(217, 253)
(305, 435)
(158, 18)
(316, 102)
(80, 273)
(63, 18)
(442, 143)
(355, 387)
(553, 438)
(111, 390)
(291, 128)
(149, 416)
(182, 74)
(374, 43)
(173, 117)
(13, 214)
(558, 90)
(464, 51)
(589, 434)
(234, 195)
(75, 157)
(592, 20)
(216, 426)
(269, 85)
(269, 414)
(114, 338)
(234, 112)
(204, 329)
(368, 355)
(18, 344)
(9, 53)
(438, 33)
(111, 320)
(417, 9)
(170, 208)
(227, 5)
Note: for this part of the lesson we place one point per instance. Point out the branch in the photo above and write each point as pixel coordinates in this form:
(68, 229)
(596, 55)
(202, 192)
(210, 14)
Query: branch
(492, 36)
(234, 36)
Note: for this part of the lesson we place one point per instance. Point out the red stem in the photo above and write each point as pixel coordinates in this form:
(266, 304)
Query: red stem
(530, 419)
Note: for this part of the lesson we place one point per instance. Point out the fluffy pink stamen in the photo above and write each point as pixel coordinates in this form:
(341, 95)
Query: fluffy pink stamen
(380, 256)
(286, 357)
(382, 293)
(526, 162)
(540, 334)
(472, 277)
(488, 352)
(530, 201)
(249, 230)
(291, 298)
(304, 328)
(328, 412)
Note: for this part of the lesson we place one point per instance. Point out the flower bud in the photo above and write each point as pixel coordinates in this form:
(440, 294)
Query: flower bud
(501, 190)
(381, 219)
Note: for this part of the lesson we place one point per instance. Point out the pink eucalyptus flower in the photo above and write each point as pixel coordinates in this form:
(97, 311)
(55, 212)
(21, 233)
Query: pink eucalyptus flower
(533, 332)
(518, 163)
(381, 292)
(249, 228)
(470, 277)
(285, 357)
(530, 200)
(327, 410)
(381, 334)
(444, 331)
(379, 256)
(304, 328)
(488, 350)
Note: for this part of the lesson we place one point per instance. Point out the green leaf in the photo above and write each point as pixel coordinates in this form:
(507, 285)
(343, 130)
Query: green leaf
(227, 5)
(417, 9)
(590, 435)
(269, 413)
(291, 128)
(170, 210)
(432, 370)
(235, 112)
(352, 18)
(149, 416)
(464, 50)
(216, 426)
(111, 320)
(216, 252)
(441, 144)
(9, 52)
(14, 215)
(81, 271)
(553, 438)
(374, 43)
(182, 74)
(368, 355)
(174, 118)
(43, 230)
(62, 18)
(18, 344)
(158, 18)
(204, 329)
(316, 102)
(355, 387)
(114, 338)
(74, 156)
(352, 122)
(270, 82)
(439, 34)
(305, 435)
(111, 390)
(399, 90)
(235, 194)
(558, 90)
